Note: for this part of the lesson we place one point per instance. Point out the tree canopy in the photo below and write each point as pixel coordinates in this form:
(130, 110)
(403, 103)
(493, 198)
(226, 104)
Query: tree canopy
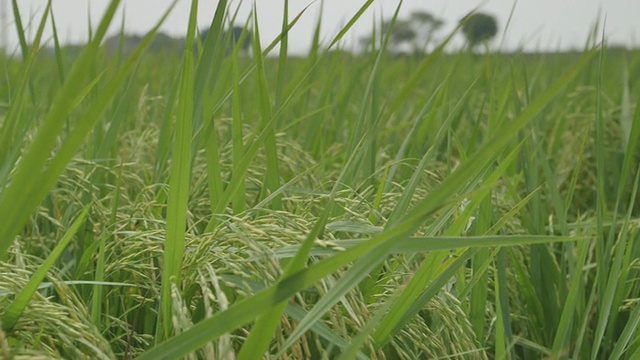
(479, 28)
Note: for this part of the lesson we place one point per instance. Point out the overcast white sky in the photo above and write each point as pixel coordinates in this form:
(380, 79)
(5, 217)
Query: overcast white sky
(536, 24)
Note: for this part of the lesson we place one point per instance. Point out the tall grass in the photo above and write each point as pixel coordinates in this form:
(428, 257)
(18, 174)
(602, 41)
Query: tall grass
(217, 204)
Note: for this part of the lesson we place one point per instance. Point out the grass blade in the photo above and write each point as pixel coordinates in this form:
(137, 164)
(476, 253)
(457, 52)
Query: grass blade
(180, 175)
(272, 180)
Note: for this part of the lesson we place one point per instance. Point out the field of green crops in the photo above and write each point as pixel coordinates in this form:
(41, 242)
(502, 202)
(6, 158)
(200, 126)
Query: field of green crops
(222, 205)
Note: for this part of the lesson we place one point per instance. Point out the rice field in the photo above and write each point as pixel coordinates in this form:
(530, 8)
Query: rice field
(217, 204)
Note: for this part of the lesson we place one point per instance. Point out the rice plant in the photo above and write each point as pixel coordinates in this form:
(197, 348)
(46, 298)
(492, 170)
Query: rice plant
(213, 203)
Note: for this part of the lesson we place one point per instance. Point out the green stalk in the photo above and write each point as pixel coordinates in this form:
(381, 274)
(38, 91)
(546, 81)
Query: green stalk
(179, 178)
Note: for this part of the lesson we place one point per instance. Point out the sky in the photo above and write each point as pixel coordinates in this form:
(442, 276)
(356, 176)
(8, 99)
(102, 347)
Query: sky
(536, 25)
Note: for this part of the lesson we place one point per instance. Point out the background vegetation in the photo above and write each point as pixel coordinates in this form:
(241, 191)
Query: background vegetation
(216, 205)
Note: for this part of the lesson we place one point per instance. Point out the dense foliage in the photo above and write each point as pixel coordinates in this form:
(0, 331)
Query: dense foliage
(217, 205)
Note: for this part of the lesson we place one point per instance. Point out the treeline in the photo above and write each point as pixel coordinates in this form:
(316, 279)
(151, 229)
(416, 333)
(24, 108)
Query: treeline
(161, 43)
(164, 43)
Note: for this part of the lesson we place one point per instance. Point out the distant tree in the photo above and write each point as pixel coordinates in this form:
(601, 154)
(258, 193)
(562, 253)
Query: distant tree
(479, 28)
(122, 42)
(163, 42)
(365, 43)
(235, 33)
(402, 34)
(425, 25)
(413, 34)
